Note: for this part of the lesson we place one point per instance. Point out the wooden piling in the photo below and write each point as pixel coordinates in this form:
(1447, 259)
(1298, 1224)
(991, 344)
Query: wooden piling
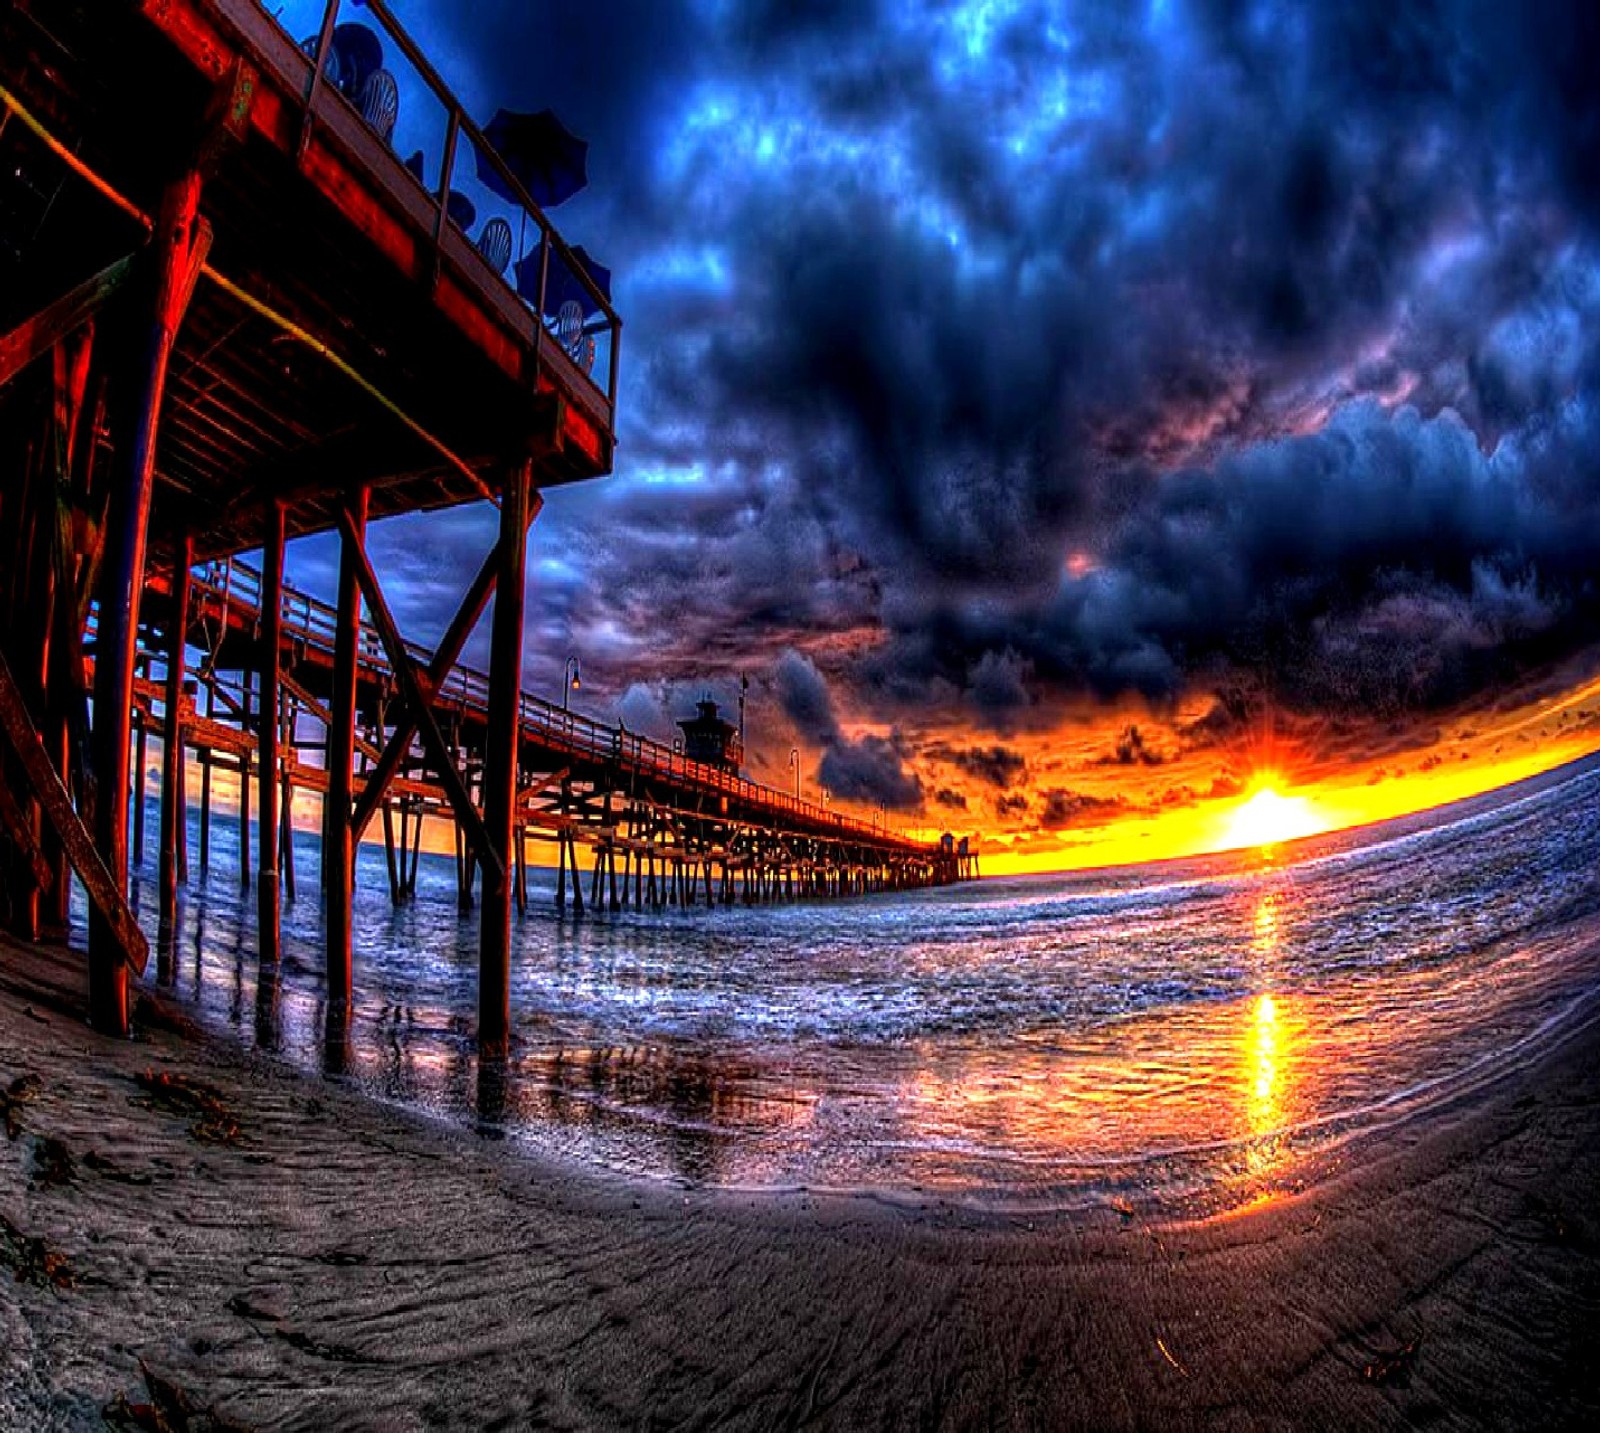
(246, 682)
(416, 854)
(205, 791)
(177, 239)
(286, 823)
(140, 756)
(395, 896)
(502, 738)
(270, 657)
(561, 870)
(338, 856)
(173, 796)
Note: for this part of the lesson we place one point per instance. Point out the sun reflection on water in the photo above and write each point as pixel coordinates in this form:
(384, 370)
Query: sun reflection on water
(1268, 1054)
(1203, 1036)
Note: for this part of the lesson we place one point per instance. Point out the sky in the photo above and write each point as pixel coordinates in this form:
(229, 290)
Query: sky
(1073, 417)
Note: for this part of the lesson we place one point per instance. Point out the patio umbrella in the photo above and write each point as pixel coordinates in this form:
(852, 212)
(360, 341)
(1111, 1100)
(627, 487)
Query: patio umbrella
(548, 160)
(562, 283)
(357, 54)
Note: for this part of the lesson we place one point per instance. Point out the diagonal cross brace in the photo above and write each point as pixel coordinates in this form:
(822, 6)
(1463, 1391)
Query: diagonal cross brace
(98, 882)
(421, 709)
(473, 602)
(35, 336)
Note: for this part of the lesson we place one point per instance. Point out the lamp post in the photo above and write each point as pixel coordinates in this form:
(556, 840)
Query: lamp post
(570, 681)
(794, 761)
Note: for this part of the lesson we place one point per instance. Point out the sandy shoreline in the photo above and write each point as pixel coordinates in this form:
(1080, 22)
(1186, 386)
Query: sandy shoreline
(345, 1264)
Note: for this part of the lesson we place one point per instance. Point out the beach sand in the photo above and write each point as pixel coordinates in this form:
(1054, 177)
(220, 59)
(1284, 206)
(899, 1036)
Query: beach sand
(338, 1263)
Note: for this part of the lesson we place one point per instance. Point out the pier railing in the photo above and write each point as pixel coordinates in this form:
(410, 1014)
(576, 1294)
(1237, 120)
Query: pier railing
(541, 277)
(306, 619)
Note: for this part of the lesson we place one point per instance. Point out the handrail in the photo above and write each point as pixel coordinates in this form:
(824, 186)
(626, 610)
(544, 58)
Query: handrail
(309, 619)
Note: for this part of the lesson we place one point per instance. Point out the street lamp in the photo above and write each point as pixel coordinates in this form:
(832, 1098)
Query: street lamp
(570, 681)
(794, 761)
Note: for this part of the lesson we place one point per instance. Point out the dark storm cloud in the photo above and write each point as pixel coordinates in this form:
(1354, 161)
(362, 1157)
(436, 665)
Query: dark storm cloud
(1285, 317)
(999, 766)
(804, 697)
(1063, 808)
(870, 769)
(1131, 749)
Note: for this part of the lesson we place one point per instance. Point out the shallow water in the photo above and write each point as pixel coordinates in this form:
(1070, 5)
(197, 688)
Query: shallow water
(1197, 1035)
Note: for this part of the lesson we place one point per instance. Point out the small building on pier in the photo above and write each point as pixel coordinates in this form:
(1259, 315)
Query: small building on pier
(712, 739)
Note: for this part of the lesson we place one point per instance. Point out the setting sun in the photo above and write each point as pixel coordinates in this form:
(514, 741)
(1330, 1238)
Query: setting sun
(1268, 818)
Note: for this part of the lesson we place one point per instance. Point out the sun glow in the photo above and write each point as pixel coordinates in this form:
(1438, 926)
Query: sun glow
(1268, 818)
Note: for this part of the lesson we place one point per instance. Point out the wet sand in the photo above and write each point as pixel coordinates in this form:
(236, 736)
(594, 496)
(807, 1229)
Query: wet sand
(334, 1262)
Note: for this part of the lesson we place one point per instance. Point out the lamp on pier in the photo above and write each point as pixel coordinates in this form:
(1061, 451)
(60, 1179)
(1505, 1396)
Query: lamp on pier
(570, 681)
(794, 761)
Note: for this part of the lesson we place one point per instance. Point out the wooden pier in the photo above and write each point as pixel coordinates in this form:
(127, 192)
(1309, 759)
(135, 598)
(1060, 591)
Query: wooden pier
(230, 316)
(635, 822)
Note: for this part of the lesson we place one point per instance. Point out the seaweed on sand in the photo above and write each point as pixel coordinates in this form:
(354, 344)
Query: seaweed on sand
(179, 1095)
(31, 1260)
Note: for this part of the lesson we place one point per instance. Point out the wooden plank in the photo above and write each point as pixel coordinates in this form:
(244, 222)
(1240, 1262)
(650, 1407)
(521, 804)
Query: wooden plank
(104, 892)
(405, 671)
(36, 336)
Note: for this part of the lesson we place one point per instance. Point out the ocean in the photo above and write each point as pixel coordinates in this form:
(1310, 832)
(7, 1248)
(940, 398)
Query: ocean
(1192, 1036)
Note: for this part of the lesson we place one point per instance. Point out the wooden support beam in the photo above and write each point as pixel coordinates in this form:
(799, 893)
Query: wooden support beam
(104, 891)
(502, 743)
(268, 904)
(286, 828)
(418, 701)
(174, 812)
(180, 241)
(36, 336)
(475, 599)
(338, 855)
(416, 854)
(247, 677)
(139, 756)
(388, 851)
